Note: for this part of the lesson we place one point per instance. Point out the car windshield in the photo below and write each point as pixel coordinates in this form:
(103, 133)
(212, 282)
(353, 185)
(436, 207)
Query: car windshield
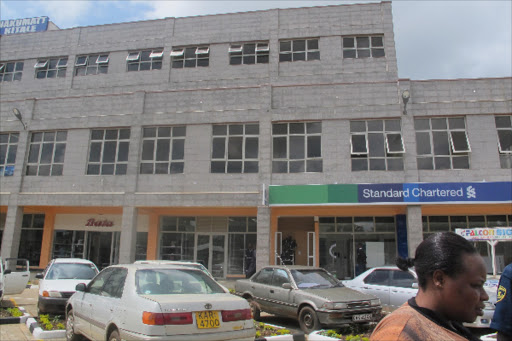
(314, 279)
(71, 271)
(175, 282)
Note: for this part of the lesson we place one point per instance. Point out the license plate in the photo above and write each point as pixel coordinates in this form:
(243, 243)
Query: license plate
(362, 317)
(207, 319)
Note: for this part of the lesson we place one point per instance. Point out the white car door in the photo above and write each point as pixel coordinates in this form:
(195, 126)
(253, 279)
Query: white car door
(16, 280)
(377, 284)
(401, 285)
(107, 305)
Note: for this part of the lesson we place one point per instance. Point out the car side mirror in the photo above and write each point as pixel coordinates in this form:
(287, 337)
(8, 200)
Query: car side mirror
(415, 286)
(80, 287)
(287, 286)
(39, 276)
(7, 271)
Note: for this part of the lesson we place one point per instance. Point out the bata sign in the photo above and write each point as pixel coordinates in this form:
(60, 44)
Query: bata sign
(500, 233)
(94, 222)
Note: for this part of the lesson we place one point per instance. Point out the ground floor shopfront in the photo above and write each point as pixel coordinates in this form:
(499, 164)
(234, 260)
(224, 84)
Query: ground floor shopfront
(343, 228)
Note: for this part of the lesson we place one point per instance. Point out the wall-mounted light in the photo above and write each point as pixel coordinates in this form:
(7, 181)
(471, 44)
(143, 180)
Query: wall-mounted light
(405, 97)
(17, 114)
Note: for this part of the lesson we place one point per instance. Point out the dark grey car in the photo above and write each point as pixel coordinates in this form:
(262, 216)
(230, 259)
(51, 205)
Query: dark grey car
(310, 294)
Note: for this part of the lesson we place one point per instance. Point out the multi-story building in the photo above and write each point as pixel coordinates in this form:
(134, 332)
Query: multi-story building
(191, 138)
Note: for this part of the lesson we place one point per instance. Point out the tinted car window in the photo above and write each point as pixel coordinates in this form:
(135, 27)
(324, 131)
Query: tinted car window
(280, 276)
(96, 285)
(264, 276)
(378, 277)
(114, 285)
(71, 271)
(314, 279)
(402, 279)
(175, 281)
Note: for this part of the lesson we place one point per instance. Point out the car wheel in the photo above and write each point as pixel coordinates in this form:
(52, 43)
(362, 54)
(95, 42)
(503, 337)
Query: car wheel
(114, 336)
(308, 320)
(70, 328)
(255, 308)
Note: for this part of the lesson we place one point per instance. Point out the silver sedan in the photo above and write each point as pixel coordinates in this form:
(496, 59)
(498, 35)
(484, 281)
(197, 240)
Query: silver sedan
(309, 294)
(156, 302)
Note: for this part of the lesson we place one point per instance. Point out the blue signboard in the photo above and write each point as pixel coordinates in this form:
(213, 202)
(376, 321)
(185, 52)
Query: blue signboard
(436, 192)
(27, 25)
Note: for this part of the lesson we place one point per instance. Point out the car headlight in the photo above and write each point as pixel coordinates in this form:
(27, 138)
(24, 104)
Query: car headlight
(51, 294)
(375, 301)
(334, 305)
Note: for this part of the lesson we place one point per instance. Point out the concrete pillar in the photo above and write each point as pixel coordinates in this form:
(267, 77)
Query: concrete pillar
(12, 232)
(263, 246)
(128, 235)
(414, 229)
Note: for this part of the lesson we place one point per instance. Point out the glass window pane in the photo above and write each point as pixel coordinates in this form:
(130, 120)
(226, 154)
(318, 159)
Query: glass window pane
(251, 147)
(314, 127)
(377, 164)
(505, 140)
(296, 128)
(315, 166)
(395, 164)
(33, 154)
(235, 147)
(423, 143)
(178, 149)
(395, 144)
(459, 141)
(279, 128)
(164, 131)
(392, 125)
(376, 144)
(314, 146)
(442, 163)
(218, 148)
(236, 129)
(297, 166)
(109, 151)
(220, 130)
(179, 131)
(148, 149)
(123, 151)
(60, 149)
(425, 163)
(359, 144)
(357, 126)
(235, 166)
(422, 124)
(456, 123)
(47, 153)
(297, 148)
(439, 123)
(441, 144)
(218, 166)
(503, 121)
(279, 167)
(251, 167)
(348, 42)
(461, 162)
(359, 164)
(279, 148)
(163, 149)
(363, 42)
(375, 125)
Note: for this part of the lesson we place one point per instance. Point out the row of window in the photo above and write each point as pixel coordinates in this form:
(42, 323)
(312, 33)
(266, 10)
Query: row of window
(197, 56)
(441, 143)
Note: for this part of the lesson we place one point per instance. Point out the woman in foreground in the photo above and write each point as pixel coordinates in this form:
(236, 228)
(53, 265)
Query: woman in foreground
(451, 276)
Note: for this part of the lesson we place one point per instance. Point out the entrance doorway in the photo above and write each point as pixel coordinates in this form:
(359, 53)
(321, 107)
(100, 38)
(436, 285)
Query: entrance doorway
(211, 252)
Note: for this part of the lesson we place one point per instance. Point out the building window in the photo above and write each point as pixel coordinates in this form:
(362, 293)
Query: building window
(145, 60)
(248, 53)
(241, 233)
(504, 127)
(93, 64)
(32, 227)
(8, 149)
(177, 238)
(297, 147)
(46, 153)
(195, 56)
(299, 49)
(11, 71)
(51, 68)
(235, 148)
(442, 143)
(363, 47)
(163, 150)
(108, 152)
(376, 145)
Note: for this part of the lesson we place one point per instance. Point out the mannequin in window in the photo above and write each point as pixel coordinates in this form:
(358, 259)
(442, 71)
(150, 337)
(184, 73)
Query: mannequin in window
(288, 254)
(250, 261)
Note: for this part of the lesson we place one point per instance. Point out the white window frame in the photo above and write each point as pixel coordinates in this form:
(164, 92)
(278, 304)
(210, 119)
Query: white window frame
(203, 50)
(84, 63)
(41, 63)
(352, 152)
(59, 65)
(102, 59)
(455, 150)
(402, 150)
(2, 66)
(499, 142)
(156, 54)
(133, 56)
(235, 48)
(177, 52)
(260, 47)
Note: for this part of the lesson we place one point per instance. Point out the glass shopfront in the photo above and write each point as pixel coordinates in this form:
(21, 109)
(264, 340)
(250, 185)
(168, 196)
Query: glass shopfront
(219, 243)
(433, 224)
(350, 245)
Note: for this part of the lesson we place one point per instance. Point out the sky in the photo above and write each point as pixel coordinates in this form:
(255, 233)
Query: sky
(434, 39)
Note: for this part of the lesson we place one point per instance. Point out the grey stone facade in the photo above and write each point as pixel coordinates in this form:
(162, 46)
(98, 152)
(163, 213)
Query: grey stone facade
(333, 90)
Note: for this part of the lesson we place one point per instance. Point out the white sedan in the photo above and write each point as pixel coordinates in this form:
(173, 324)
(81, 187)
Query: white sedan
(394, 287)
(156, 302)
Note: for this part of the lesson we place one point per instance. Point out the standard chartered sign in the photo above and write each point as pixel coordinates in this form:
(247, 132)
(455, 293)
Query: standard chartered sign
(444, 192)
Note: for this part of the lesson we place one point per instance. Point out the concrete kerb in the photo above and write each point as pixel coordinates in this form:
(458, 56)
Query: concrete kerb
(39, 333)
(16, 320)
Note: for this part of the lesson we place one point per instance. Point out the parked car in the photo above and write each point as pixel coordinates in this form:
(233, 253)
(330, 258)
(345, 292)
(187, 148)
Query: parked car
(394, 287)
(156, 302)
(58, 281)
(14, 276)
(310, 294)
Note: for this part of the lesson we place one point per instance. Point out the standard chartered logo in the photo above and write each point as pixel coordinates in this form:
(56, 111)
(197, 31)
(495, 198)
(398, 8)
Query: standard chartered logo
(470, 192)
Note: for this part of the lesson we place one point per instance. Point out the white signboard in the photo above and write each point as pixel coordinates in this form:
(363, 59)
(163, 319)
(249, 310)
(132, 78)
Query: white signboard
(484, 233)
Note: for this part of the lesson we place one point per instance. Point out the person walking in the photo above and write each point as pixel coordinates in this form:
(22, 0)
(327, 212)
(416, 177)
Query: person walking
(451, 276)
(502, 319)
(250, 261)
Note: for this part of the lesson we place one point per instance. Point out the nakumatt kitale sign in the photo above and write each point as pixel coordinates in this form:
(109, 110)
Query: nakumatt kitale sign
(28, 25)
(424, 193)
